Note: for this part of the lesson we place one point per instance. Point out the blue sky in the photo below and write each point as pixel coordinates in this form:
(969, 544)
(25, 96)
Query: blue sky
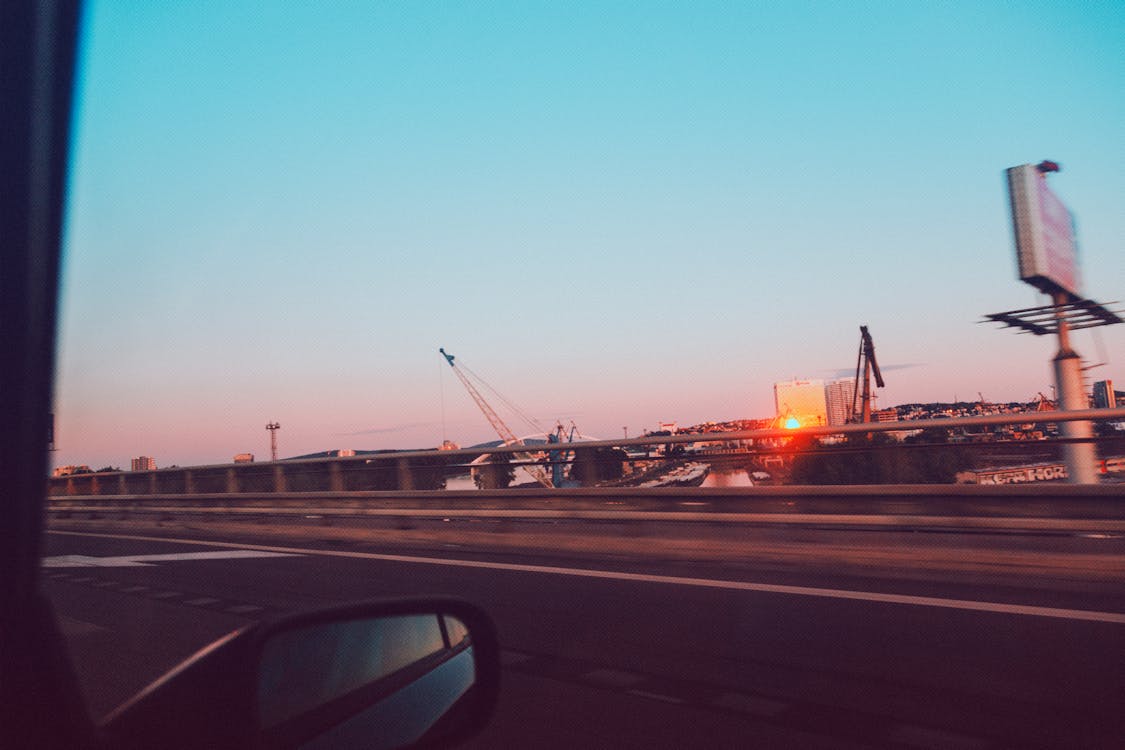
(619, 213)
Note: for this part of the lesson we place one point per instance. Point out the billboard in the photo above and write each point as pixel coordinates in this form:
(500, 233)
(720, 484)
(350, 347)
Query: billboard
(1046, 250)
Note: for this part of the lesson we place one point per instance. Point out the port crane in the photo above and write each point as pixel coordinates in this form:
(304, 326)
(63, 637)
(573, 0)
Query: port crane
(866, 359)
(531, 466)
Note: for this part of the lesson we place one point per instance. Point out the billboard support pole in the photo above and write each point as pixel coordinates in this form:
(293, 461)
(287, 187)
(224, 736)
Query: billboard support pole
(1080, 458)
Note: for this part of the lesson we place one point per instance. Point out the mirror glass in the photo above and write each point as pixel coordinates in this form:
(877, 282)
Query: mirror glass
(377, 682)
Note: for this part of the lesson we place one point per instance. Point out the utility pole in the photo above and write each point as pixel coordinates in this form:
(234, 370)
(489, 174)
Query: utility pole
(1080, 457)
(273, 427)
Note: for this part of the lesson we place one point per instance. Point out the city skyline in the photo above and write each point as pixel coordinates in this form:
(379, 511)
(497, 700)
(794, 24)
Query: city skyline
(619, 216)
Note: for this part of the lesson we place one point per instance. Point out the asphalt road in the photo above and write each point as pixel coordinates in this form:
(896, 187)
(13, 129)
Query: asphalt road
(626, 653)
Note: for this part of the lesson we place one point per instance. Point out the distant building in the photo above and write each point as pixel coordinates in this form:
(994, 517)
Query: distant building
(838, 395)
(143, 463)
(801, 403)
(244, 458)
(885, 415)
(1104, 395)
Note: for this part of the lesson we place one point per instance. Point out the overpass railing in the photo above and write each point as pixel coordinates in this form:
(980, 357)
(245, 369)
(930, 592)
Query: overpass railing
(787, 455)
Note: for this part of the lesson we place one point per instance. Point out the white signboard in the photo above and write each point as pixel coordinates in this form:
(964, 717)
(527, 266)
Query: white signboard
(1045, 245)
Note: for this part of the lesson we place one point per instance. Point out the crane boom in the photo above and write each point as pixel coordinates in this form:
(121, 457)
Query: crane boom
(498, 424)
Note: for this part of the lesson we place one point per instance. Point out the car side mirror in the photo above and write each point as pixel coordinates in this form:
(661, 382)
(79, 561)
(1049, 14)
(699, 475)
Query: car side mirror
(377, 675)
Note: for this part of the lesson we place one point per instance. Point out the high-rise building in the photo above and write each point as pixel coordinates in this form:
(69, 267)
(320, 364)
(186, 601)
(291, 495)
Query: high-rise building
(801, 403)
(838, 395)
(1104, 395)
(143, 463)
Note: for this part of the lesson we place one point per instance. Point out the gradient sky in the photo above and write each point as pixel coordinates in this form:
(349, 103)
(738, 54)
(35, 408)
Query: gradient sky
(617, 213)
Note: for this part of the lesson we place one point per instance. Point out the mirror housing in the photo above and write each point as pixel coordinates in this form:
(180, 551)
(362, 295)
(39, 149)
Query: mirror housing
(418, 672)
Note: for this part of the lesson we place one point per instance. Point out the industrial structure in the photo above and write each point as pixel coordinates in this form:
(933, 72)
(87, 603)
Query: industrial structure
(862, 400)
(506, 435)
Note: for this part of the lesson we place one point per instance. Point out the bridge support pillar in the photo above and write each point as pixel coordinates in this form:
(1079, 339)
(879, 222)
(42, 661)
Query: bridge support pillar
(405, 475)
(278, 478)
(585, 468)
(189, 482)
(232, 480)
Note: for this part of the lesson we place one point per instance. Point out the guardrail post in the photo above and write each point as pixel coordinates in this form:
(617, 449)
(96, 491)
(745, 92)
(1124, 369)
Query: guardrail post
(405, 476)
(278, 478)
(232, 481)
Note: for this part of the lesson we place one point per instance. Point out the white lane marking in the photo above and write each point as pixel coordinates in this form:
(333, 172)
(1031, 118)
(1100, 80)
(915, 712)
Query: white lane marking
(135, 561)
(768, 588)
(243, 609)
(201, 601)
(72, 628)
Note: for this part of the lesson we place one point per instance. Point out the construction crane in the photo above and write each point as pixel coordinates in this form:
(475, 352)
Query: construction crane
(866, 358)
(531, 466)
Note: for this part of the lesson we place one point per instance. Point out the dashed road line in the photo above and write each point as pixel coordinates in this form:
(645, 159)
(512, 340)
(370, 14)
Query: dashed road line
(202, 601)
(156, 593)
(166, 594)
(750, 704)
(613, 677)
(934, 739)
(655, 696)
(512, 658)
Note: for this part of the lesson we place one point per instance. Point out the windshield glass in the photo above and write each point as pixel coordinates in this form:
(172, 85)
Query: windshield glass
(737, 248)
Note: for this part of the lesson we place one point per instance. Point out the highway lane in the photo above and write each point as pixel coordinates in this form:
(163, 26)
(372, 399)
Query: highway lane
(619, 661)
